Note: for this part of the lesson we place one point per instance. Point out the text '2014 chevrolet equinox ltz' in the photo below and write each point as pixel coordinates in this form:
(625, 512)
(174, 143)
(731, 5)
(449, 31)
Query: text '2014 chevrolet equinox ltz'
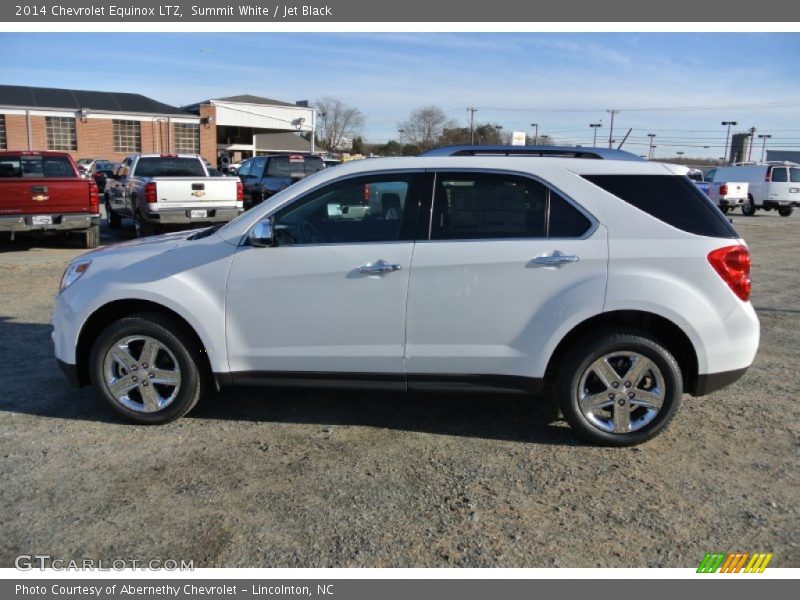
(614, 285)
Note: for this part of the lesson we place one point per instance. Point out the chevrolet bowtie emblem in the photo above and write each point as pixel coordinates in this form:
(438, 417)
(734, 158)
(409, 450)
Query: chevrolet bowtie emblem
(40, 198)
(198, 194)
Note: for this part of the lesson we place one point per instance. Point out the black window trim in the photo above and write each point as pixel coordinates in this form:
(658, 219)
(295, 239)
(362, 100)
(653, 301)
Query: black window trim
(590, 231)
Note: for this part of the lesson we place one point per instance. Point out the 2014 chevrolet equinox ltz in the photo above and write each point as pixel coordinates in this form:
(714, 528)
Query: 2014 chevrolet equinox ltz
(614, 285)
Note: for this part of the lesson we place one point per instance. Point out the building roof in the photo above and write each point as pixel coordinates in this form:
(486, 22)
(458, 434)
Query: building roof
(118, 102)
(250, 99)
(281, 142)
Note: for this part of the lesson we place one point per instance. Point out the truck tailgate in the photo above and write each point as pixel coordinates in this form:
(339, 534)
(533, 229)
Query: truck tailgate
(737, 191)
(181, 192)
(30, 196)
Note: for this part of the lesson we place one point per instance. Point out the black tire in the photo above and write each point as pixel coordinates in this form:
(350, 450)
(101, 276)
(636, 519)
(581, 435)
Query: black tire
(90, 238)
(749, 207)
(585, 352)
(785, 211)
(193, 382)
(114, 220)
(142, 227)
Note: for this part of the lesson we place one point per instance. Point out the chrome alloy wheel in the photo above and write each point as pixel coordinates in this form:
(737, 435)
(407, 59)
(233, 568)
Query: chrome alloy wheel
(621, 392)
(141, 374)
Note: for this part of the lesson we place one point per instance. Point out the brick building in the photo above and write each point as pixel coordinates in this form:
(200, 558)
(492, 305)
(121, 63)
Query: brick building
(112, 125)
(90, 124)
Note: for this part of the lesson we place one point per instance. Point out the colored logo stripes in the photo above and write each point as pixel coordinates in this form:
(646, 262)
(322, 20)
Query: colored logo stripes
(734, 562)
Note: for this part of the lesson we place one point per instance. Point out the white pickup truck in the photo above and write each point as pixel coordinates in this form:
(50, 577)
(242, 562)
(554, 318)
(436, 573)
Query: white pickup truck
(728, 194)
(158, 190)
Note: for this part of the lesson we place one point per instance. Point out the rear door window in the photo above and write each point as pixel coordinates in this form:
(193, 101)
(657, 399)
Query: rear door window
(294, 166)
(257, 167)
(168, 166)
(779, 175)
(794, 175)
(673, 199)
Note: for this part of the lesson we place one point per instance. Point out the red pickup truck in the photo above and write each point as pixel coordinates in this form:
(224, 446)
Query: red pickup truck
(43, 192)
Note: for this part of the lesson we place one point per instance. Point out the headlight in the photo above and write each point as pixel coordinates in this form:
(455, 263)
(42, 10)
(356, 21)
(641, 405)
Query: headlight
(73, 273)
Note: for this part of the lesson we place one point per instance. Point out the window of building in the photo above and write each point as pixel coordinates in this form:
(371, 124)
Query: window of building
(187, 138)
(3, 143)
(127, 136)
(61, 133)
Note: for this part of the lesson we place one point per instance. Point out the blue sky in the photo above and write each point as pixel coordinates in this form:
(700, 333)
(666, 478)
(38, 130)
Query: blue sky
(561, 81)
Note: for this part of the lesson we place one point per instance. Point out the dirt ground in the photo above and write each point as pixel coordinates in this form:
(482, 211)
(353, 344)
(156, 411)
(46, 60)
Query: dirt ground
(255, 477)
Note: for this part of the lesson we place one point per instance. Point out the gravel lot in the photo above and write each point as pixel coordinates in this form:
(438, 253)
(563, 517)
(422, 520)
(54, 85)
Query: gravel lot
(321, 479)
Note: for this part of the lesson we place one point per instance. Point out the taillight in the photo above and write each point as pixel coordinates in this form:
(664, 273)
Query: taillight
(733, 265)
(723, 190)
(768, 176)
(150, 193)
(239, 192)
(94, 193)
(366, 193)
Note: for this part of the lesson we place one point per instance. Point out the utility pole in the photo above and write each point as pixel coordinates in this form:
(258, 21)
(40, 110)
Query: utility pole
(536, 134)
(613, 112)
(727, 136)
(750, 145)
(594, 127)
(652, 139)
(472, 110)
(764, 137)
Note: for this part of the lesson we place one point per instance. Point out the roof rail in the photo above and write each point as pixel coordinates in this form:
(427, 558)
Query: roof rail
(541, 151)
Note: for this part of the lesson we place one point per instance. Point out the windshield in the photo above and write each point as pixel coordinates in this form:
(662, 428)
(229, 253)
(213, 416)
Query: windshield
(169, 166)
(294, 166)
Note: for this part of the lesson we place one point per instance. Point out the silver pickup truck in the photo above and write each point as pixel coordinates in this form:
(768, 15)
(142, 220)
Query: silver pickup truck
(158, 190)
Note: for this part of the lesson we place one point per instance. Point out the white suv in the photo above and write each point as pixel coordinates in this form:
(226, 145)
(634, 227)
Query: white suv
(613, 286)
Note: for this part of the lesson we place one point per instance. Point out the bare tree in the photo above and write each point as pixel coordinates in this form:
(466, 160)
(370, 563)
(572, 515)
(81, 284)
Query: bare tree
(424, 126)
(335, 121)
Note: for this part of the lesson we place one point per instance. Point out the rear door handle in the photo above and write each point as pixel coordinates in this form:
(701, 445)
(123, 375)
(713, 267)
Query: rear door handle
(555, 259)
(379, 266)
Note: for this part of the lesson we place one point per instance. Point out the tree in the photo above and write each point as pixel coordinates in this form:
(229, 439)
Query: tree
(337, 120)
(423, 128)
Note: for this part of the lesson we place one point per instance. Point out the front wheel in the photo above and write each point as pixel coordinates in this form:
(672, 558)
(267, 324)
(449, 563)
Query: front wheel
(749, 207)
(620, 388)
(146, 369)
(785, 211)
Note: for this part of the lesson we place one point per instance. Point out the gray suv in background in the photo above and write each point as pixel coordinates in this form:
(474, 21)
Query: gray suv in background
(263, 176)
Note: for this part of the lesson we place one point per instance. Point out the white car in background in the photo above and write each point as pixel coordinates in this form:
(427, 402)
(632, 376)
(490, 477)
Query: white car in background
(613, 286)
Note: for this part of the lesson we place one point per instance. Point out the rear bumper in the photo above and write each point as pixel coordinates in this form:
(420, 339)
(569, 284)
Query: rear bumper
(728, 202)
(177, 217)
(59, 222)
(711, 382)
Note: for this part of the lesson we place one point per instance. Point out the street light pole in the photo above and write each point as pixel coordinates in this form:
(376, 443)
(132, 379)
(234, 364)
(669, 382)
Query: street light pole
(536, 133)
(472, 110)
(594, 127)
(764, 137)
(750, 145)
(727, 136)
(650, 153)
(611, 128)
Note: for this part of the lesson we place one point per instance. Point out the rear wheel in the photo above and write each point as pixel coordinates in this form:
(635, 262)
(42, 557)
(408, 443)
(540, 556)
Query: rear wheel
(145, 369)
(785, 211)
(749, 207)
(114, 220)
(90, 238)
(142, 227)
(620, 388)
(725, 209)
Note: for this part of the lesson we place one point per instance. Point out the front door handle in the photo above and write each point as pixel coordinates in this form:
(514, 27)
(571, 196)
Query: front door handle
(555, 259)
(377, 267)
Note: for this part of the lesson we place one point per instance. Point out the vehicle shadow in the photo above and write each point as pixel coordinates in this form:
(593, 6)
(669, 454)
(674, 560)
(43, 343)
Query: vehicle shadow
(34, 385)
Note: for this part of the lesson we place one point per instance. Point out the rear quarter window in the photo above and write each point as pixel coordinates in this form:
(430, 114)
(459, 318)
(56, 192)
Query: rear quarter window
(672, 199)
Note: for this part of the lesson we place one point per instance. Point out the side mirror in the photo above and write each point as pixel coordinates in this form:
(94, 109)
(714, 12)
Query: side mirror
(261, 234)
(334, 209)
